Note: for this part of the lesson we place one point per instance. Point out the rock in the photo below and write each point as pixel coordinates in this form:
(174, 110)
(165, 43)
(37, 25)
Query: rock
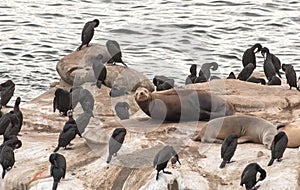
(76, 69)
(132, 167)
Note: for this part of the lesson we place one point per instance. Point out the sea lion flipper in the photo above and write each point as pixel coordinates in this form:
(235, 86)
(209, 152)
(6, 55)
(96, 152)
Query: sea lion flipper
(244, 139)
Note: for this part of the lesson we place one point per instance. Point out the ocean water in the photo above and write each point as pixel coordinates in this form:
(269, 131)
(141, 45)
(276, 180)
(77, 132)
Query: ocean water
(157, 37)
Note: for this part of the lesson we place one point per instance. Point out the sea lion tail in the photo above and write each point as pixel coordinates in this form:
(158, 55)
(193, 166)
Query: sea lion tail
(271, 162)
(223, 164)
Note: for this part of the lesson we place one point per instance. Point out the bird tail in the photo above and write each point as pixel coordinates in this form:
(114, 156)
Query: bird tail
(79, 48)
(124, 63)
(223, 164)
(54, 187)
(3, 173)
(271, 161)
(56, 149)
(157, 175)
(109, 158)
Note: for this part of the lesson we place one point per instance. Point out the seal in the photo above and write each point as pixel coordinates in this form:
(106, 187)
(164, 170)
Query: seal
(182, 105)
(248, 128)
(293, 134)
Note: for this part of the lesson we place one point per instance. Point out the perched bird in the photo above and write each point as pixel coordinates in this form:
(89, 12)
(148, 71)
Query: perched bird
(117, 90)
(68, 133)
(4, 122)
(115, 142)
(290, 75)
(99, 69)
(249, 55)
(18, 112)
(166, 85)
(122, 110)
(58, 168)
(62, 101)
(249, 175)
(114, 50)
(13, 128)
(269, 68)
(70, 123)
(13, 142)
(298, 83)
(275, 61)
(246, 72)
(191, 78)
(83, 120)
(88, 32)
(231, 76)
(7, 159)
(75, 96)
(256, 80)
(7, 90)
(274, 81)
(159, 79)
(162, 158)
(228, 148)
(278, 147)
(1, 113)
(205, 68)
(201, 77)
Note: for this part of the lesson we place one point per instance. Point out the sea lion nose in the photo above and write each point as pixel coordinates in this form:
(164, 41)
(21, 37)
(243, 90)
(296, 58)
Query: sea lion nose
(142, 93)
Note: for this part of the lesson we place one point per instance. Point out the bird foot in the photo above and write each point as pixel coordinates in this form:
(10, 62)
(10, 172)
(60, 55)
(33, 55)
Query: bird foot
(230, 161)
(167, 172)
(279, 159)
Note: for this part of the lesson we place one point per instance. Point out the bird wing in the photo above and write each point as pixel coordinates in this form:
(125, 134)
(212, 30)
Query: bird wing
(155, 160)
(113, 47)
(87, 32)
(280, 146)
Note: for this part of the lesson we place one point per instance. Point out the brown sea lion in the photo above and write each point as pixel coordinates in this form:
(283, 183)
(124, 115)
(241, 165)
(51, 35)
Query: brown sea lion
(248, 128)
(293, 134)
(182, 105)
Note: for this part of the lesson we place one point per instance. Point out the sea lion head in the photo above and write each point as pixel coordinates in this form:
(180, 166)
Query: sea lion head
(141, 94)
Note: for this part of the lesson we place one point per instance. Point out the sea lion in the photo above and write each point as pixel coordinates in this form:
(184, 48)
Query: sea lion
(162, 158)
(88, 32)
(248, 128)
(182, 104)
(279, 145)
(293, 134)
(249, 175)
(114, 50)
(249, 55)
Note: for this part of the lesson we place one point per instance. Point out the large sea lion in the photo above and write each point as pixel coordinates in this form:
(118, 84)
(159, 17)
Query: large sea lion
(248, 128)
(293, 134)
(182, 105)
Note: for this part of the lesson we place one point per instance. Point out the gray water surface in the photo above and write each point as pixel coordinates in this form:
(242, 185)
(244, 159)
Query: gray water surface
(157, 37)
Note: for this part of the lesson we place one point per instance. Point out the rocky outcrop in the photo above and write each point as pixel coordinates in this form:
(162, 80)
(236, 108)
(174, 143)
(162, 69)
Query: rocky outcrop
(76, 69)
(132, 168)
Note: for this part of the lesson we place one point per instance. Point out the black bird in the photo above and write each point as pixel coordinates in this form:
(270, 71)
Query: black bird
(205, 68)
(269, 68)
(162, 158)
(70, 123)
(249, 55)
(62, 101)
(18, 112)
(201, 77)
(86, 100)
(7, 159)
(122, 110)
(278, 147)
(13, 128)
(249, 176)
(75, 96)
(159, 79)
(114, 50)
(115, 142)
(83, 120)
(290, 75)
(191, 78)
(4, 122)
(68, 133)
(275, 61)
(231, 76)
(1, 113)
(228, 148)
(58, 168)
(117, 90)
(256, 80)
(166, 85)
(12, 142)
(7, 90)
(88, 32)
(274, 81)
(99, 69)
(246, 72)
